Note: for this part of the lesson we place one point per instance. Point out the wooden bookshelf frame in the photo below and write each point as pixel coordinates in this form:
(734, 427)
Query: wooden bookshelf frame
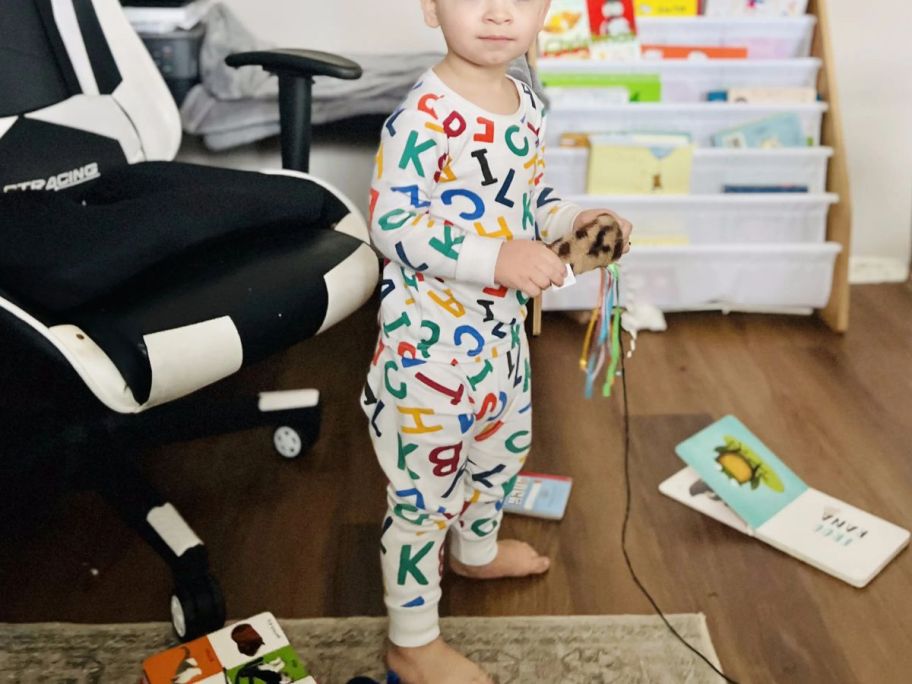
(839, 218)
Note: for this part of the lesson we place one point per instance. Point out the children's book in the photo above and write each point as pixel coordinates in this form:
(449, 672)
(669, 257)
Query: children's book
(753, 189)
(572, 97)
(759, 8)
(734, 478)
(253, 650)
(773, 95)
(640, 87)
(693, 52)
(640, 164)
(539, 496)
(614, 31)
(781, 130)
(566, 31)
(666, 8)
(616, 18)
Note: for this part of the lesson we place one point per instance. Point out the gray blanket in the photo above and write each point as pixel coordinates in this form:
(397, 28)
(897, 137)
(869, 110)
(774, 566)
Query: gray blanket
(233, 107)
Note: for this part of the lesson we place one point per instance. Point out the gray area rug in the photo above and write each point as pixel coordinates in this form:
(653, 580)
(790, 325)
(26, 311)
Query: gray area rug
(622, 648)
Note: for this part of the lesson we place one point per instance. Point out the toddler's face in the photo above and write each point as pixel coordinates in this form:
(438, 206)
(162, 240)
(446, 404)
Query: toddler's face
(487, 32)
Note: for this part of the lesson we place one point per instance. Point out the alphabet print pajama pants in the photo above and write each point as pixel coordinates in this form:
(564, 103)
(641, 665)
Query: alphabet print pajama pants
(451, 439)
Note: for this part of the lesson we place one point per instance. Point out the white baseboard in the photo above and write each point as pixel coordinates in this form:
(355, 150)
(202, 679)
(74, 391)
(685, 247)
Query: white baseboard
(877, 270)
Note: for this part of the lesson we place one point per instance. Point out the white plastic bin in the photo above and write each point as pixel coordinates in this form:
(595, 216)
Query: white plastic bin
(713, 168)
(708, 219)
(764, 37)
(794, 278)
(690, 80)
(700, 120)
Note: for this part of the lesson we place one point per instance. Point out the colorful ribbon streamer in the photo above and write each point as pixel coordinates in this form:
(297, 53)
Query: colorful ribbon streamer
(603, 334)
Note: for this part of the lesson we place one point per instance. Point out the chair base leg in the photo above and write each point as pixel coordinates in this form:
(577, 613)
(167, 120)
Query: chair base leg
(197, 603)
(210, 414)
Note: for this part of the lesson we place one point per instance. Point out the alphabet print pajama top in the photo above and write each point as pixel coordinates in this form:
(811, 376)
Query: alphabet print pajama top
(448, 390)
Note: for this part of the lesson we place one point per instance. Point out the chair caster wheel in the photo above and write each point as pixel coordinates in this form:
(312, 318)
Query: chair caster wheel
(292, 441)
(197, 608)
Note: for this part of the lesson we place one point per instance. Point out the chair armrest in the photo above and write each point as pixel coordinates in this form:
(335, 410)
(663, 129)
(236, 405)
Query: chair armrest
(296, 70)
(302, 63)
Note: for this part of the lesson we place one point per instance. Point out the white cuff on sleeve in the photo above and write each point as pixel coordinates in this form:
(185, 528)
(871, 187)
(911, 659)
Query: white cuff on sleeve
(478, 260)
(413, 627)
(556, 225)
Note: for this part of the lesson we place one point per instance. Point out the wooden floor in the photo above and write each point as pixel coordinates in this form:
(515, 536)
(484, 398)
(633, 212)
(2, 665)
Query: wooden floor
(300, 538)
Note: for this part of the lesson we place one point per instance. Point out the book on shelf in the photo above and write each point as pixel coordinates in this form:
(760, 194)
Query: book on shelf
(692, 52)
(639, 87)
(616, 18)
(765, 95)
(756, 8)
(604, 31)
(734, 478)
(780, 130)
(566, 31)
(640, 164)
(568, 98)
(753, 189)
(666, 8)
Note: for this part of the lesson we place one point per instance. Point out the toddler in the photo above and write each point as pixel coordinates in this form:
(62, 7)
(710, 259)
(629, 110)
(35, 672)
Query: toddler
(460, 210)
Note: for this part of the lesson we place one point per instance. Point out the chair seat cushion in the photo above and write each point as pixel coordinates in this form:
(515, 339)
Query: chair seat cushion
(64, 250)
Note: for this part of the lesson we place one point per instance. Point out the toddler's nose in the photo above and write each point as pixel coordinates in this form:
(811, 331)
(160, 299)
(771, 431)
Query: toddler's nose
(498, 12)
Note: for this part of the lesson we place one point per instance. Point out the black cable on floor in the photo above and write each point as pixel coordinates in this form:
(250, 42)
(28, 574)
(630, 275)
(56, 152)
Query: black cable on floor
(627, 519)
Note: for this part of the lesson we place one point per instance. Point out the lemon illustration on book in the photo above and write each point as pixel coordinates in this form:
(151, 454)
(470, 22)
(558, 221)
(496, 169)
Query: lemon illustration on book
(743, 466)
(561, 22)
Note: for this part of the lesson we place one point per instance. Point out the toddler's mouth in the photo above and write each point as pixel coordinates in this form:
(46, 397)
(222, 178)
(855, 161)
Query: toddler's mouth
(497, 39)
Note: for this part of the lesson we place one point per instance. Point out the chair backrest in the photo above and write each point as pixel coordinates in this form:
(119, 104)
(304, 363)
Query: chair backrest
(79, 94)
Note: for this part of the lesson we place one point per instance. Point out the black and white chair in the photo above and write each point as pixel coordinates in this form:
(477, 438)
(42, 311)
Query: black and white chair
(128, 282)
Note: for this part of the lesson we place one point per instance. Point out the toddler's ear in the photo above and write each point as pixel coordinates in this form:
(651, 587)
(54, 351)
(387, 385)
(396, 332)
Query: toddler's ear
(546, 5)
(429, 9)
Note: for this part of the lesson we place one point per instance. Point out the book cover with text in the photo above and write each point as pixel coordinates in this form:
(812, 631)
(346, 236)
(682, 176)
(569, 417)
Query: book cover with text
(733, 477)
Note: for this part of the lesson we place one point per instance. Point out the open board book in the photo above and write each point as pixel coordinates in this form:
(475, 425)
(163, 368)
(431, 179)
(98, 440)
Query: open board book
(734, 478)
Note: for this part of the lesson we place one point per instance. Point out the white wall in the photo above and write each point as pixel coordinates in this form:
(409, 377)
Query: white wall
(873, 64)
(366, 26)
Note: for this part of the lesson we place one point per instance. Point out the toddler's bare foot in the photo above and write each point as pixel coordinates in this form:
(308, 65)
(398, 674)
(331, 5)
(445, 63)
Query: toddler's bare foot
(434, 663)
(514, 559)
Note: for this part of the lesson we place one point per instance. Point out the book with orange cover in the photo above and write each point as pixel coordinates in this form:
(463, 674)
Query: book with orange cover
(251, 650)
(693, 52)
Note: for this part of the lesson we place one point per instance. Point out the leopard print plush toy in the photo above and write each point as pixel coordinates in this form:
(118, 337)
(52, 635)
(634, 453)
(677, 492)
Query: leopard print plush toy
(598, 243)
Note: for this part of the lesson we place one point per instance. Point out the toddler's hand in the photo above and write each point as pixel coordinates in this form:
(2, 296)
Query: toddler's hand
(529, 266)
(590, 215)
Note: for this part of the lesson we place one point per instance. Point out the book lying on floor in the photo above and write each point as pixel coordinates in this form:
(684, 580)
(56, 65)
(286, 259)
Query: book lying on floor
(253, 650)
(735, 479)
(540, 496)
